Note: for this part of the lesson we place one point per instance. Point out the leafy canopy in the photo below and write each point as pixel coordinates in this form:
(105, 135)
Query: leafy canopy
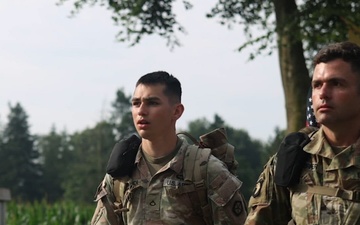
(315, 22)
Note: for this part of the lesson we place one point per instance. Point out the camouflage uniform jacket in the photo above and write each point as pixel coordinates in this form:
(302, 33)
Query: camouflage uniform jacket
(336, 200)
(166, 198)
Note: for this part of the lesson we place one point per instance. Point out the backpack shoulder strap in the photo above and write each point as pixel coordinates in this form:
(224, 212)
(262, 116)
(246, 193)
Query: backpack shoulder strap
(195, 170)
(118, 190)
(291, 157)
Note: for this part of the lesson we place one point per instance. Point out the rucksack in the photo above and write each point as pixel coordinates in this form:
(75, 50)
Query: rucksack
(217, 142)
(213, 143)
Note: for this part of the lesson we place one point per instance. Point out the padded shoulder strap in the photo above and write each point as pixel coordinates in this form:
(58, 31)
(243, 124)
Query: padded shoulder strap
(195, 164)
(118, 192)
(189, 162)
(195, 170)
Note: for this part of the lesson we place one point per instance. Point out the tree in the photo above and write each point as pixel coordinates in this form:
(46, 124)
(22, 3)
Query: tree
(21, 172)
(296, 28)
(55, 157)
(92, 147)
(121, 117)
(91, 151)
(272, 145)
(1, 135)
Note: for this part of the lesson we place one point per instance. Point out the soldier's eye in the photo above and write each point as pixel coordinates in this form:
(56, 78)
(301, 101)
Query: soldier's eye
(316, 85)
(135, 103)
(153, 103)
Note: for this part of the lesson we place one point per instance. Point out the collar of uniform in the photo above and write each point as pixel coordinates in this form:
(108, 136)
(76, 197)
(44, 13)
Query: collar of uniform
(320, 146)
(350, 156)
(176, 163)
(138, 155)
(344, 159)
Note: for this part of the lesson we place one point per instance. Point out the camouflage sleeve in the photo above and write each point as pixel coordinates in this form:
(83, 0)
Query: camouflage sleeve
(227, 202)
(105, 209)
(269, 203)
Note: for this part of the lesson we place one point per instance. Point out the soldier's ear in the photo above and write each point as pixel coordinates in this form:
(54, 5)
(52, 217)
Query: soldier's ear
(178, 111)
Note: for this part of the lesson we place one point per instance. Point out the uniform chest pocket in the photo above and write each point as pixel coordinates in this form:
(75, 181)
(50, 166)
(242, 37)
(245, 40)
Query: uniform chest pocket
(176, 197)
(174, 188)
(351, 184)
(330, 176)
(350, 178)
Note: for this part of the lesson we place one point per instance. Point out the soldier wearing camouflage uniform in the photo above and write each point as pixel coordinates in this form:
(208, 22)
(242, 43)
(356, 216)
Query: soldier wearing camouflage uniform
(328, 188)
(156, 192)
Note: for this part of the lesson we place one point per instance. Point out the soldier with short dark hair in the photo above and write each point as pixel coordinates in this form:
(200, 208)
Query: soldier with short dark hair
(315, 178)
(155, 190)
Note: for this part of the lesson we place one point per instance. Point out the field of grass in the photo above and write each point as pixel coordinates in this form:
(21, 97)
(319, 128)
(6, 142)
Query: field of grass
(43, 213)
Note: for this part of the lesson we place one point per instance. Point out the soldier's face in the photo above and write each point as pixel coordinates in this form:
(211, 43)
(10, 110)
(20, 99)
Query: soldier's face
(335, 94)
(153, 114)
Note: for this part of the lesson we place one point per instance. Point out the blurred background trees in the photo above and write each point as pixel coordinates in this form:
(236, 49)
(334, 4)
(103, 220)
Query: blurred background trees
(62, 166)
(19, 158)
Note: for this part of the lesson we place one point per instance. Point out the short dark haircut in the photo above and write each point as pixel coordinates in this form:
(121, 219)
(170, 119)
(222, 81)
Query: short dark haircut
(347, 51)
(172, 84)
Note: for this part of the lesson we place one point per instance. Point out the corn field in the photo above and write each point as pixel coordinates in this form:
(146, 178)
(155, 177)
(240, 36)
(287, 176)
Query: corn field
(43, 213)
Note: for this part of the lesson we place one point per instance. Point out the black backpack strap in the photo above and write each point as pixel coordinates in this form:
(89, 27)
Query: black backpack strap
(122, 157)
(291, 157)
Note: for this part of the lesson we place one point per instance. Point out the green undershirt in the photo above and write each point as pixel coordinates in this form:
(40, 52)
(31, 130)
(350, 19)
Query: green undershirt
(155, 164)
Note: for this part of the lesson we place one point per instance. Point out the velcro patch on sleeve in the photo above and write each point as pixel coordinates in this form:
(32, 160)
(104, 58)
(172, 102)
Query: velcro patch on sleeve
(224, 192)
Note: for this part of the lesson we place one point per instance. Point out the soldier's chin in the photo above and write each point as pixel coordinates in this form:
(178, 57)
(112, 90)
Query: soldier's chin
(144, 134)
(327, 122)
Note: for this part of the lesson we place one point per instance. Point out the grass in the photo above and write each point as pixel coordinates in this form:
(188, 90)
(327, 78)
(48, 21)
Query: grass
(44, 213)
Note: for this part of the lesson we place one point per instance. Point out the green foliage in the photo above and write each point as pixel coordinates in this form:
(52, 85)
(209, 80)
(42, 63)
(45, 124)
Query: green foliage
(121, 117)
(58, 166)
(272, 146)
(55, 156)
(252, 15)
(1, 130)
(92, 149)
(314, 22)
(43, 213)
(323, 22)
(18, 157)
(137, 18)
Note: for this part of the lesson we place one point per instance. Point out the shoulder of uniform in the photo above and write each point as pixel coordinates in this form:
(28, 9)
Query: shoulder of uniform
(263, 188)
(108, 180)
(271, 162)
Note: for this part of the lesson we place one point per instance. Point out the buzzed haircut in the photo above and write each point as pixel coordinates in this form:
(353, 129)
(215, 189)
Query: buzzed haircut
(347, 51)
(172, 84)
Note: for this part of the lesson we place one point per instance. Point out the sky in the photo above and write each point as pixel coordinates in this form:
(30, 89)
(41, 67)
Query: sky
(65, 71)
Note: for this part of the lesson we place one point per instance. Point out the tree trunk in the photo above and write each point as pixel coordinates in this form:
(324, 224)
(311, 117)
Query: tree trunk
(294, 73)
